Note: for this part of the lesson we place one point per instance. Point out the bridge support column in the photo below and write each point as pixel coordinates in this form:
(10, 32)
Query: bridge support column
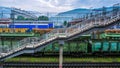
(61, 43)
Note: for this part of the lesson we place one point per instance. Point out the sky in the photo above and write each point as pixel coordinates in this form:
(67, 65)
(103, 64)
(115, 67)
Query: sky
(56, 5)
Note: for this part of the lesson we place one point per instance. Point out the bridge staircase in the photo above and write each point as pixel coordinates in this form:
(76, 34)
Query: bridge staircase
(34, 44)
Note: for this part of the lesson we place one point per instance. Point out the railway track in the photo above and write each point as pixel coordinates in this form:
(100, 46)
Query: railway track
(65, 65)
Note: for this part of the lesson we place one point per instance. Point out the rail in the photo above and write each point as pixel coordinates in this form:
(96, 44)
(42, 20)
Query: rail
(34, 42)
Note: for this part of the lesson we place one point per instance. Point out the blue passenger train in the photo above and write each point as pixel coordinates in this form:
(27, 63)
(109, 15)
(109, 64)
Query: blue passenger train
(29, 25)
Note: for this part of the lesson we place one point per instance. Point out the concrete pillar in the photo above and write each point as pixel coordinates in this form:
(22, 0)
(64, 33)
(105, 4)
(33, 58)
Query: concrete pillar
(61, 43)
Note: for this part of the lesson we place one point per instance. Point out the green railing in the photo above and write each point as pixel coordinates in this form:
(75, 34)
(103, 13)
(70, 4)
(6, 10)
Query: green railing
(17, 34)
(113, 35)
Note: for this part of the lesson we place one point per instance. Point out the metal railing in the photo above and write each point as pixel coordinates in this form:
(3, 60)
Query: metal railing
(59, 33)
(23, 12)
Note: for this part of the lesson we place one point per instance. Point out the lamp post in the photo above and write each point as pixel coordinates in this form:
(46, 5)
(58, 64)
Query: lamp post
(61, 43)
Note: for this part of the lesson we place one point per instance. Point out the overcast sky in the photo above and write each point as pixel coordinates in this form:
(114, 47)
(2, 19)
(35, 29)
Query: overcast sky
(56, 5)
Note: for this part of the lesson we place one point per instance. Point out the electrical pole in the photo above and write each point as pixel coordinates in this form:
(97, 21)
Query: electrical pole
(1, 14)
(12, 18)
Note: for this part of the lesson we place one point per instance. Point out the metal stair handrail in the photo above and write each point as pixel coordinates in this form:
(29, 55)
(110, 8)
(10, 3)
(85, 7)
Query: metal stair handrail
(59, 33)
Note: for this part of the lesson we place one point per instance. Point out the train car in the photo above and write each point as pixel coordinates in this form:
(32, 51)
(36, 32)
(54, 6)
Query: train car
(6, 25)
(31, 26)
(41, 31)
(106, 47)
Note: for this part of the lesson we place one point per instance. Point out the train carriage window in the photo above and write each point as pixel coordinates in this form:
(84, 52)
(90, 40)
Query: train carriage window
(113, 46)
(97, 46)
(105, 46)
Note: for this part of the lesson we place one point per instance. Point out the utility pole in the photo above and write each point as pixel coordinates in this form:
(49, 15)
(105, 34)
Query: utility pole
(12, 18)
(48, 15)
(1, 14)
(116, 8)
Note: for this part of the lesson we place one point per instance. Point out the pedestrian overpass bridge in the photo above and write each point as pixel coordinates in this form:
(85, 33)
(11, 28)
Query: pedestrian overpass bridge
(34, 44)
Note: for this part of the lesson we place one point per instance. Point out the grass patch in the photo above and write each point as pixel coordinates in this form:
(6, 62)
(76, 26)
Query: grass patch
(56, 59)
(33, 59)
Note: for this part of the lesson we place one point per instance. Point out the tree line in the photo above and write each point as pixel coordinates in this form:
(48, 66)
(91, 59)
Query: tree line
(42, 18)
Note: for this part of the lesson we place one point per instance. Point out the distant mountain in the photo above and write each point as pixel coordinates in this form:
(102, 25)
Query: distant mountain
(69, 15)
(76, 13)
(80, 10)
(107, 9)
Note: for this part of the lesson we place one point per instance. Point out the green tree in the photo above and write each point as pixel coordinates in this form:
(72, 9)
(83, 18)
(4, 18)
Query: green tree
(104, 10)
(20, 18)
(29, 19)
(45, 18)
(65, 23)
(91, 14)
